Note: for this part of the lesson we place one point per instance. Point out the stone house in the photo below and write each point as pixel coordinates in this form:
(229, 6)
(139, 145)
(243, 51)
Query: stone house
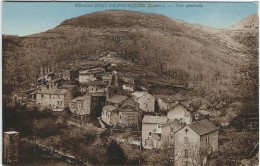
(80, 105)
(49, 76)
(195, 142)
(165, 102)
(128, 87)
(202, 114)
(83, 87)
(146, 101)
(110, 115)
(97, 102)
(86, 77)
(128, 116)
(158, 131)
(53, 98)
(106, 77)
(126, 112)
(89, 104)
(70, 75)
(120, 101)
(181, 111)
(97, 86)
(19, 97)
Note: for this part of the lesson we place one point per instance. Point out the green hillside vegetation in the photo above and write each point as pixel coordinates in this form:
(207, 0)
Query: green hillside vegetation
(211, 63)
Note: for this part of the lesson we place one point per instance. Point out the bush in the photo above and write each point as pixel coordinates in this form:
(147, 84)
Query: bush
(116, 155)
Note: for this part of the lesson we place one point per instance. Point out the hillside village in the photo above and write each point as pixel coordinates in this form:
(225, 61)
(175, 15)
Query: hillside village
(119, 102)
(106, 92)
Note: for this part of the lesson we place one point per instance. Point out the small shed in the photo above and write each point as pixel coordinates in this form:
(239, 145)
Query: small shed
(10, 149)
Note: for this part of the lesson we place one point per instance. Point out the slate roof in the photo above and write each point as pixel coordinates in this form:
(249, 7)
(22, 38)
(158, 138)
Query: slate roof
(117, 99)
(79, 98)
(184, 104)
(98, 83)
(74, 100)
(96, 94)
(109, 107)
(139, 94)
(53, 91)
(128, 108)
(170, 99)
(176, 121)
(203, 112)
(203, 127)
(177, 125)
(155, 119)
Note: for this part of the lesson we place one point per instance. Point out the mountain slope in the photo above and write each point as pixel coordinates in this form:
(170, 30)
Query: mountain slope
(250, 22)
(203, 57)
(246, 33)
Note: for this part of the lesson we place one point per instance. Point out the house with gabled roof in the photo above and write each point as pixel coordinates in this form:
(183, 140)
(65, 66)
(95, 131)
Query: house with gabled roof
(195, 142)
(146, 101)
(165, 102)
(128, 116)
(110, 115)
(120, 101)
(158, 131)
(53, 98)
(202, 114)
(80, 105)
(181, 111)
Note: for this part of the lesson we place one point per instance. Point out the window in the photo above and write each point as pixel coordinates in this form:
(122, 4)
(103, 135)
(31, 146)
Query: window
(186, 140)
(159, 126)
(186, 152)
(186, 130)
(207, 140)
(150, 133)
(42, 96)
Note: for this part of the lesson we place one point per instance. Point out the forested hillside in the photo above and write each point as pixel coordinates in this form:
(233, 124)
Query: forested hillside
(220, 67)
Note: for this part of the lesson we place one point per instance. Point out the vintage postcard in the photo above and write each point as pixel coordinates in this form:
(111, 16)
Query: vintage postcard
(130, 83)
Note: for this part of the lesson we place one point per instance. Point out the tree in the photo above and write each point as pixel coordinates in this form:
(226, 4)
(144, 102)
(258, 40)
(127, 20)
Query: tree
(116, 155)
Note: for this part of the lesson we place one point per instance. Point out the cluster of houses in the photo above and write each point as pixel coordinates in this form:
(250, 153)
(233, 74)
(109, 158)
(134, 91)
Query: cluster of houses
(166, 121)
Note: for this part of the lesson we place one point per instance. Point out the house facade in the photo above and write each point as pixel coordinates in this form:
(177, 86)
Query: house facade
(152, 131)
(80, 105)
(53, 98)
(110, 115)
(86, 77)
(146, 101)
(97, 86)
(158, 131)
(195, 142)
(89, 104)
(128, 116)
(98, 101)
(69, 75)
(180, 111)
(120, 101)
(165, 102)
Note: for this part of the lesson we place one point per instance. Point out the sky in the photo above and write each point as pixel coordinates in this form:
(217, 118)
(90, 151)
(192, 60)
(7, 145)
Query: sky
(24, 18)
